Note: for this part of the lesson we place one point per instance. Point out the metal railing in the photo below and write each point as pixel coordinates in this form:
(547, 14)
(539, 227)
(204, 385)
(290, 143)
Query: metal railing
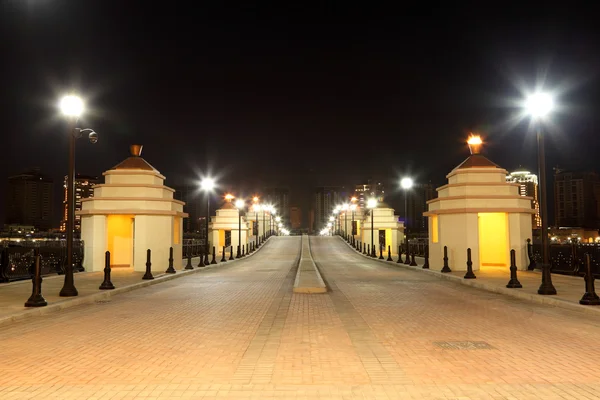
(192, 247)
(568, 259)
(17, 258)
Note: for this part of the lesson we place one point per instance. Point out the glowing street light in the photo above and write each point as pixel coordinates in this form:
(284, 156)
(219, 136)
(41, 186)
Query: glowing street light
(239, 204)
(406, 183)
(207, 185)
(256, 207)
(371, 204)
(539, 105)
(72, 107)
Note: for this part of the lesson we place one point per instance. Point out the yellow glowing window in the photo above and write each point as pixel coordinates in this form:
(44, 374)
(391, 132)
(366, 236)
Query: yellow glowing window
(434, 228)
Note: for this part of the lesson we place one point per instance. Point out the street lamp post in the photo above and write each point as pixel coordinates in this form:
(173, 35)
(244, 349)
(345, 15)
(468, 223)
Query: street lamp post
(539, 105)
(239, 204)
(353, 208)
(371, 204)
(207, 185)
(72, 107)
(345, 208)
(256, 210)
(406, 184)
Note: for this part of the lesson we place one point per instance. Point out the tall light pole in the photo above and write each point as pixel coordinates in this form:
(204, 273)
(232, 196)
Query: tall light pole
(353, 208)
(538, 106)
(406, 184)
(239, 204)
(336, 224)
(256, 208)
(345, 209)
(72, 107)
(207, 185)
(371, 204)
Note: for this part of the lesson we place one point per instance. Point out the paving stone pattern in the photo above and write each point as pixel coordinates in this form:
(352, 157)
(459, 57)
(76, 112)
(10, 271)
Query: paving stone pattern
(238, 331)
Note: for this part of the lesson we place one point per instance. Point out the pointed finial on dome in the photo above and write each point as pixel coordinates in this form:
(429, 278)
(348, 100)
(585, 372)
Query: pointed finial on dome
(136, 150)
(474, 143)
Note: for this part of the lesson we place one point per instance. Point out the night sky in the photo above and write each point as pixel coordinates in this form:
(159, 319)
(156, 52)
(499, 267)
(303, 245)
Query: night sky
(293, 96)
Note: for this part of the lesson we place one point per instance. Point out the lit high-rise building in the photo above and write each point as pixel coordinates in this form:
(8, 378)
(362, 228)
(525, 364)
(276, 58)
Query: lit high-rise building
(295, 217)
(577, 199)
(528, 187)
(326, 198)
(367, 190)
(84, 188)
(279, 197)
(29, 200)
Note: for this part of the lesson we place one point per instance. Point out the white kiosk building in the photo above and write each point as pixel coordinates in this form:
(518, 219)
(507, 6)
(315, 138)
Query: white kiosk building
(131, 212)
(223, 229)
(387, 230)
(479, 210)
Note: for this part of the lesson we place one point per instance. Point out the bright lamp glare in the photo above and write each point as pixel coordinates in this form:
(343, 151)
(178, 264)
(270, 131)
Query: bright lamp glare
(207, 184)
(539, 104)
(406, 183)
(71, 106)
(240, 203)
(372, 203)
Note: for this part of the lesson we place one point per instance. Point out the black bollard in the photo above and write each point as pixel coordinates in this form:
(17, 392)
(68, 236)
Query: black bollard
(223, 259)
(247, 252)
(36, 299)
(469, 274)
(201, 262)
(446, 268)
(369, 250)
(531, 265)
(389, 254)
(239, 252)
(206, 257)
(590, 298)
(214, 256)
(514, 282)
(148, 274)
(189, 261)
(170, 269)
(231, 253)
(407, 261)
(413, 263)
(107, 284)
(399, 255)
(381, 253)
(426, 265)
(243, 248)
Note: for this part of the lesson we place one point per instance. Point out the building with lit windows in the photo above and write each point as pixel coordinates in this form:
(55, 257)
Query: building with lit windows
(577, 199)
(528, 187)
(29, 200)
(326, 198)
(84, 188)
(365, 191)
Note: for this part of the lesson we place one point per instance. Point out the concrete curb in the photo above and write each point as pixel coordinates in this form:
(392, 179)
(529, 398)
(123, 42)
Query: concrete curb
(107, 294)
(307, 267)
(516, 293)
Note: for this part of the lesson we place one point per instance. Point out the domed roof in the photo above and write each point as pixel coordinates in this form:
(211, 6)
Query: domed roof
(477, 161)
(228, 206)
(135, 161)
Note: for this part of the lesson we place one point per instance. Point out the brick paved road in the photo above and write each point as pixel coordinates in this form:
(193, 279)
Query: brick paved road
(239, 332)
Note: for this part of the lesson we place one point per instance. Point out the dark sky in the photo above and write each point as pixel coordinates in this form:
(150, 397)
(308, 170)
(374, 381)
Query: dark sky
(292, 95)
